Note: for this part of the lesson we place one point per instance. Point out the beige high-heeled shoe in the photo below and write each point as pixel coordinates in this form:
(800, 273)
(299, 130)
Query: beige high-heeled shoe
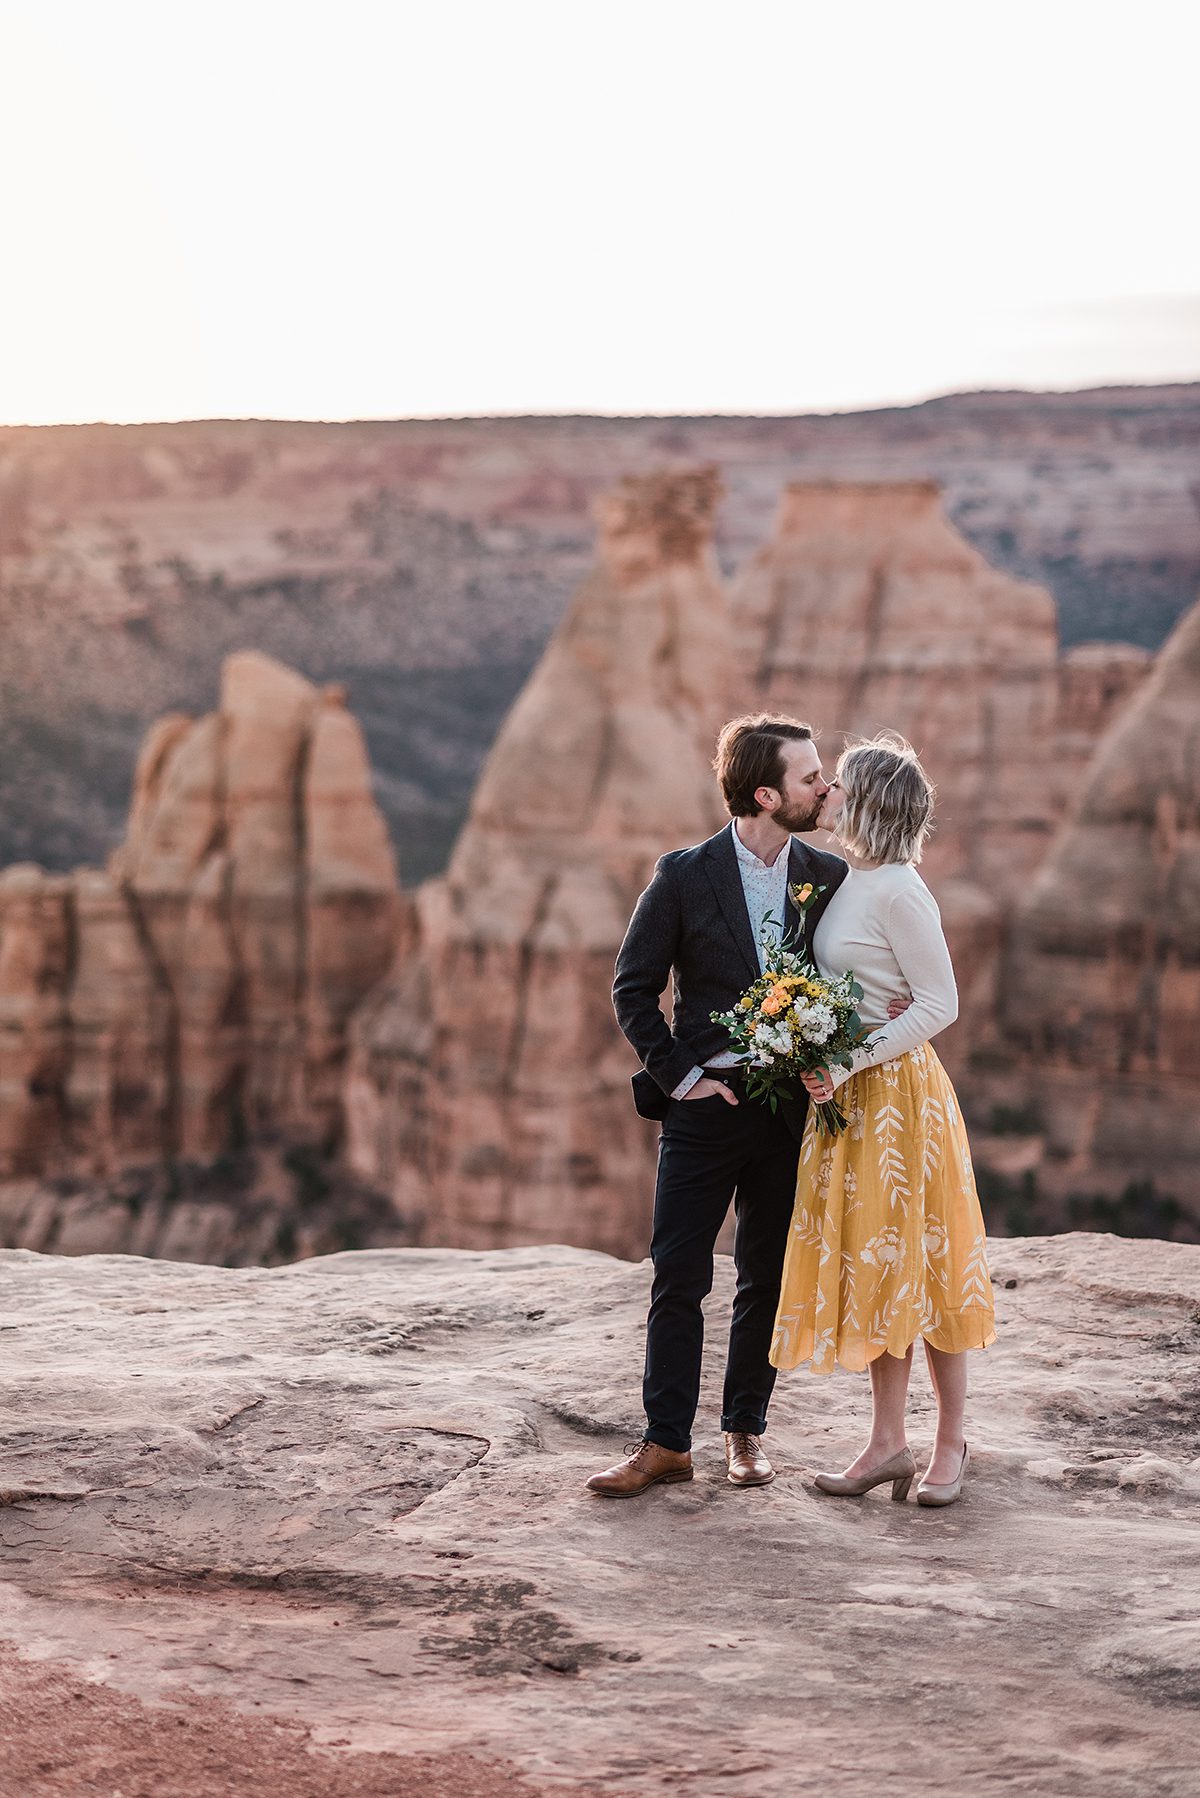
(901, 1470)
(945, 1495)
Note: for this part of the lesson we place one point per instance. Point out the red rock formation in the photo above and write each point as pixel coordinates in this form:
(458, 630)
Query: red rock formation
(121, 1074)
(35, 966)
(84, 1026)
(487, 1091)
(1095, 682)
(868, 610)
(132, 558)
(355, 922)
(1101, 997)
(490, 1083)
(258, 1206)
(198, 991)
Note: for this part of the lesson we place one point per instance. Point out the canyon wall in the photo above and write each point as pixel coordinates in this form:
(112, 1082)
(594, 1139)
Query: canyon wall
(487, 1091)
(1095, 680)
(489, 1085)
(195, 993)
(1100, 999)
(868, 610)
(239, 1040)
(426, 563)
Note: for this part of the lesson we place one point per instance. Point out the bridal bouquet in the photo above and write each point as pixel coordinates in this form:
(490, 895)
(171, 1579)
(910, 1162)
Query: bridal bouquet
(793, 1021)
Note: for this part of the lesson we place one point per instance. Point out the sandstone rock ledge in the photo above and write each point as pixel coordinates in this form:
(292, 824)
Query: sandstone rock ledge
(347, 1495)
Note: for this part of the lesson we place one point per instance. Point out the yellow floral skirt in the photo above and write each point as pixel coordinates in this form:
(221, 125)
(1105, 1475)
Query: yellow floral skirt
(887, 1238)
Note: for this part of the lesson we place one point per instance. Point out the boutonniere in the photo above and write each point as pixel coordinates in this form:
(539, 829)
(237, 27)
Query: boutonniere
(804, 897)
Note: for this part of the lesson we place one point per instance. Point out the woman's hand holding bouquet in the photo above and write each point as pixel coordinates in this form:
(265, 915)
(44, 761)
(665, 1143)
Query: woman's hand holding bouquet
(794, 1022)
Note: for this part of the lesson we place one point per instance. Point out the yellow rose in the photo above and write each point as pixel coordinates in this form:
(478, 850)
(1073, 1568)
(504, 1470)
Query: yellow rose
(803, 894)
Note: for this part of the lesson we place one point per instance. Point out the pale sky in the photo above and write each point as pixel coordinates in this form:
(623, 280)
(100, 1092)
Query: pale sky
(342, 210)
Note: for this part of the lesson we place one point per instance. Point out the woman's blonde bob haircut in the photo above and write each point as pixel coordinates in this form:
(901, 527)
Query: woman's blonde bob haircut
(887, 800)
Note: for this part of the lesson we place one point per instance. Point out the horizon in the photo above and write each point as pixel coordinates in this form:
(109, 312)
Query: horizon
(516, 417)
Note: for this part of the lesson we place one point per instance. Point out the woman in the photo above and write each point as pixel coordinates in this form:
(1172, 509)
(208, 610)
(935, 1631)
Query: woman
(887, 1238)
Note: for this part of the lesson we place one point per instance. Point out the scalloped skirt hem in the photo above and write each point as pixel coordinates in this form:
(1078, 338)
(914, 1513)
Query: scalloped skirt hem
(857, 1357)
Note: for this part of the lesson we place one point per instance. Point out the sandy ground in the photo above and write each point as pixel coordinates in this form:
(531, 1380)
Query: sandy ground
(299, 1526)
(62, 1737)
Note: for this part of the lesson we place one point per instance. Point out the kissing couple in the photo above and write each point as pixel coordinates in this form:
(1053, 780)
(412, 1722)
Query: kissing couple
(847, 1247)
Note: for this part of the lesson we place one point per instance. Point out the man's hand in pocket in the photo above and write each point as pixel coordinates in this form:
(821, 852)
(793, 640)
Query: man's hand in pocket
(709, 1089)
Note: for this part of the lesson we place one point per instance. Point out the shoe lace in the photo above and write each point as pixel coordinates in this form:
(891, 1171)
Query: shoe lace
(634, 1451)
(741, 1442)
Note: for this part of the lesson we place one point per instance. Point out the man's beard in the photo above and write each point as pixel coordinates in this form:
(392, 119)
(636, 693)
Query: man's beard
(800, 814)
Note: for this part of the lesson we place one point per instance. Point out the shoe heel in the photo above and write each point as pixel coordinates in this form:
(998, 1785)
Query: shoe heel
(900, 1489)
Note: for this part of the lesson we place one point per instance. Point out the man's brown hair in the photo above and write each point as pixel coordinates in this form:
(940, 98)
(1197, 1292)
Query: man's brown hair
(750, 755)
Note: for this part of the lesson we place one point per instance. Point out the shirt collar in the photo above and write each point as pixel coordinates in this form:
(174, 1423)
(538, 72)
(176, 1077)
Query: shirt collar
(748, 858)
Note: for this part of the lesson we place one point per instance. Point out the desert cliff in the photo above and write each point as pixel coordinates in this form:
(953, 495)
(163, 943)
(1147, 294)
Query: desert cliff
(427, 562)
(1094, 682)
(338, 1507)
(1101, 995)
(489, 1086)
(487, 1090)
(865, 610)
(239, 1041)
(194, 995)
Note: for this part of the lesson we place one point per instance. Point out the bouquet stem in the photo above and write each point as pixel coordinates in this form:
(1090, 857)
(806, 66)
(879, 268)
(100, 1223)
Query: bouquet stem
(831, 1118)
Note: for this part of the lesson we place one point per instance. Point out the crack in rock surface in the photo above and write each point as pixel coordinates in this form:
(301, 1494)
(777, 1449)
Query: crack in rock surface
(348, 1495)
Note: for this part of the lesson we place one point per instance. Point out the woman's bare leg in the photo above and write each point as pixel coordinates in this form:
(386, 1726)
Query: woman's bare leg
(889, 1393)
(949, 1375)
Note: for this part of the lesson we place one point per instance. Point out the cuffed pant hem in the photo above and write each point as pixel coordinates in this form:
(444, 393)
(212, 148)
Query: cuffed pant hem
(679, 1445)
(750, 1426)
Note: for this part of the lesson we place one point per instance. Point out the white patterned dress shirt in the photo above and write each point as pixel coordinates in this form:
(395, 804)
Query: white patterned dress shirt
(766, 895)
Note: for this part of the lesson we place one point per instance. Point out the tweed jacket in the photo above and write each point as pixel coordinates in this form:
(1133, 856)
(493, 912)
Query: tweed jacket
(691, 927)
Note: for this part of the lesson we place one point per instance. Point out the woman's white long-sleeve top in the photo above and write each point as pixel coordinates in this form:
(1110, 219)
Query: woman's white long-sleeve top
(884, 924)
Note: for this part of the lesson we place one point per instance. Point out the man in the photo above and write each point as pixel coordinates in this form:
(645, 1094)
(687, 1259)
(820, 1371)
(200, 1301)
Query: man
(702, 919)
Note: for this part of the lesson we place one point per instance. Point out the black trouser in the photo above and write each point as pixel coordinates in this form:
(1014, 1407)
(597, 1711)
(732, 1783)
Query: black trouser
(710, 1151)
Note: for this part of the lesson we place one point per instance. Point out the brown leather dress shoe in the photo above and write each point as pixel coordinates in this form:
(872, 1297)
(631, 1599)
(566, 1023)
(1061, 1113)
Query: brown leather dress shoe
(748, 1466)
(648, 1464)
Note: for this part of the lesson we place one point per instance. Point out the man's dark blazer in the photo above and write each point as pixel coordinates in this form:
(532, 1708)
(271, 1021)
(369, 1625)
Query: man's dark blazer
(692, 922)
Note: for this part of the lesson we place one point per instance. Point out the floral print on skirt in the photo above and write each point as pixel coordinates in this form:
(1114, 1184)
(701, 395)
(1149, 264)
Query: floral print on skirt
(887, 1237)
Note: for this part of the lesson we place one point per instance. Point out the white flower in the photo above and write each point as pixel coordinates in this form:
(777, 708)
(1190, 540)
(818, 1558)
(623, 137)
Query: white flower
(818, 1023)
(936, 1241)
(884, 1250)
